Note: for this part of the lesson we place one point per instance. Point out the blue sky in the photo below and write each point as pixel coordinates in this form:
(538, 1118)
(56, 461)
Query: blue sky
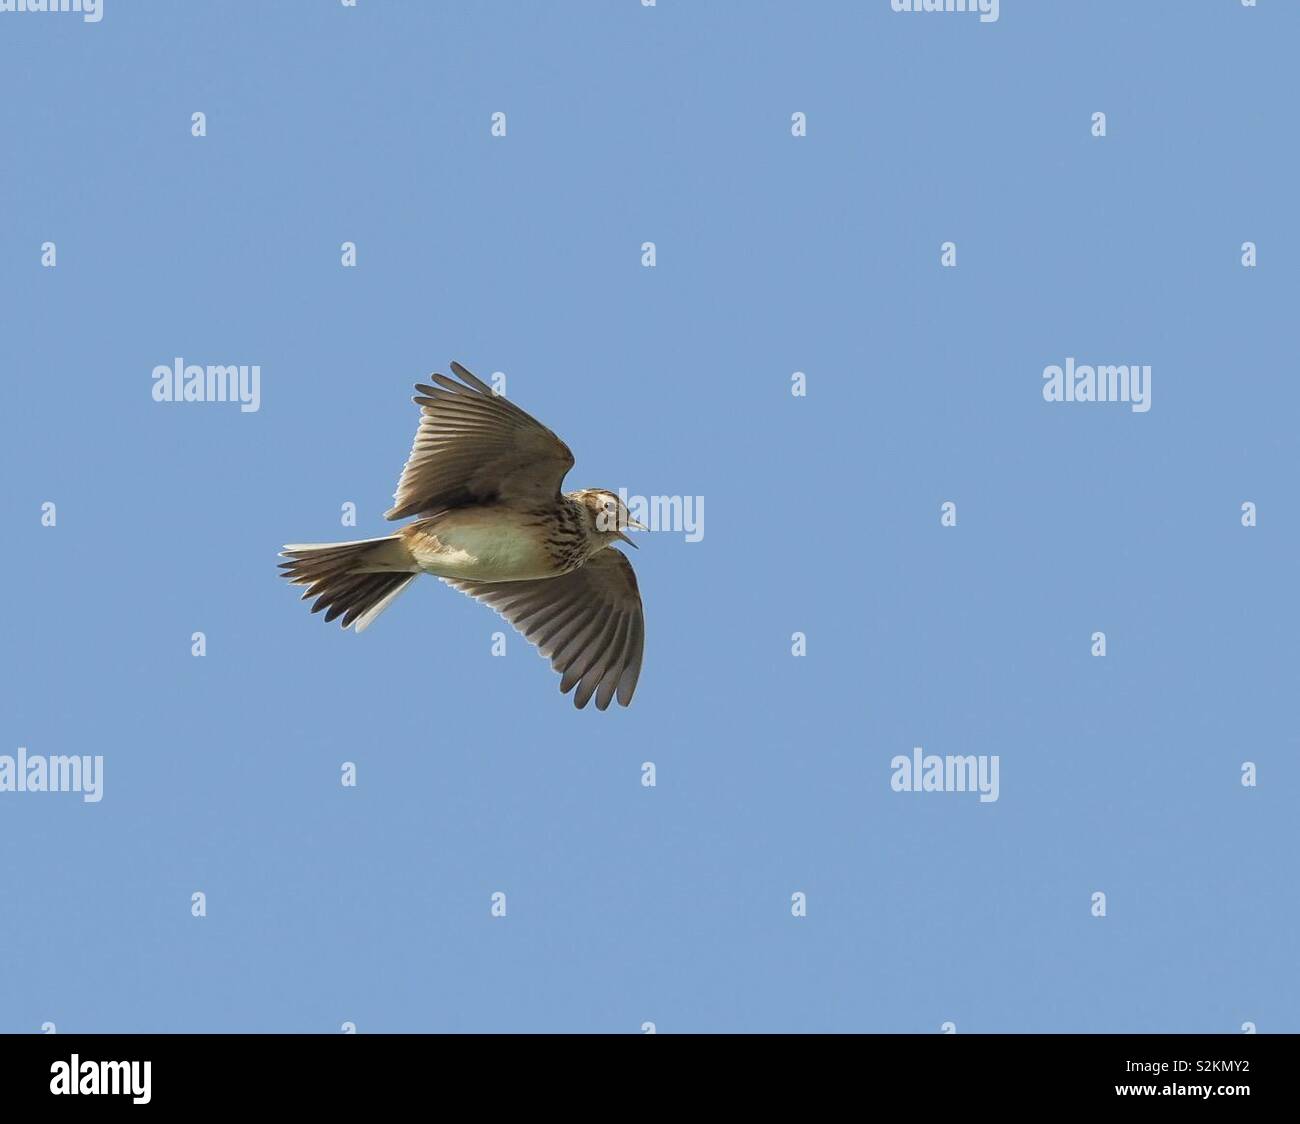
(774, 254)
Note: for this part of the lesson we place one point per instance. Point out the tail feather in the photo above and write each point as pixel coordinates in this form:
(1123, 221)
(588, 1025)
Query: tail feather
(353, 580)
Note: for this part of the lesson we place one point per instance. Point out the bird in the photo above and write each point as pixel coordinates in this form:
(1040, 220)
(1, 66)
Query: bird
(483, 480)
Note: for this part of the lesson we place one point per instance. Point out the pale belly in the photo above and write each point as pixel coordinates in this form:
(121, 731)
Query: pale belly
(484, 544)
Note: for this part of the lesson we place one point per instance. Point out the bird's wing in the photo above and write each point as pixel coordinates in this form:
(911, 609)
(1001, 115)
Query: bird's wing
(588, 623)
(476, 447)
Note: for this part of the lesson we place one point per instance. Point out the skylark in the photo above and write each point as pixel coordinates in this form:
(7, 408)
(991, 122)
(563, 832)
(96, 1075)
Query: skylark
(484, 479)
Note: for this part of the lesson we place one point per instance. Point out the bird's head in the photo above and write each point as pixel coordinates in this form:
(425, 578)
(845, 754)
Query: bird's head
(607, 516)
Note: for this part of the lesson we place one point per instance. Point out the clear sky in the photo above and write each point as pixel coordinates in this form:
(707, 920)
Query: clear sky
(774, 254)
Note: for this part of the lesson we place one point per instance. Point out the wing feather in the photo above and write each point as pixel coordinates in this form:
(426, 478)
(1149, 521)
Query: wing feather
(473, 446)
(589, 623)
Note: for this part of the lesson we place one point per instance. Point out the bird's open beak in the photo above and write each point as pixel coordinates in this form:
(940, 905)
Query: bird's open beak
(623, 538)
(635, 525)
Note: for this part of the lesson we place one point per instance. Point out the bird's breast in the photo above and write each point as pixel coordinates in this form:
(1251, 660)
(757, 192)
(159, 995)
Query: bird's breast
(492, 545)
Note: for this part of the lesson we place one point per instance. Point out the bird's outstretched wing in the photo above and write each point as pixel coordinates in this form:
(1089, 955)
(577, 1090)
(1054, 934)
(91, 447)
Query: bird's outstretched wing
(476, 447)
(588, 623)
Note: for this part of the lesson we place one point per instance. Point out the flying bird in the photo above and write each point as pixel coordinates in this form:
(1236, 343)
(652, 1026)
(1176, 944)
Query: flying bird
(483, 480)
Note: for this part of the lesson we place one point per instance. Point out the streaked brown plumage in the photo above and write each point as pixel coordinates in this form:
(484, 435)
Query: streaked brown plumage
(484, 478)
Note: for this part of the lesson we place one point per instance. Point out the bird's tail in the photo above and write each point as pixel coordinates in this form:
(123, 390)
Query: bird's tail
(354, 580)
